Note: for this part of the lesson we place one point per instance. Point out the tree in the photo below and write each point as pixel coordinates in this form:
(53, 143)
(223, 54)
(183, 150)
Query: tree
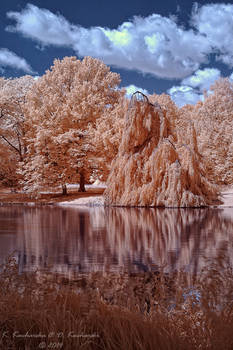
(107, 136)
(154, 165)
(8, 166)
(213, 121)
(169, 109)
(63, 109)
(12, 128)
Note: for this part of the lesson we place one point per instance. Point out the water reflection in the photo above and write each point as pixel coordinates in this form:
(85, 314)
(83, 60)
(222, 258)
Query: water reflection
(68, 240)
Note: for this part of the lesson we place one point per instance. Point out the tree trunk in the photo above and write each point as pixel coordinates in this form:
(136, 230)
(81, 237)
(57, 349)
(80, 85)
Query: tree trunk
(82, 183)
(64, 190)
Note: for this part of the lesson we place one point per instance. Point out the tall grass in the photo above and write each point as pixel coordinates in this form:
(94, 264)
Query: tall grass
(117, 311)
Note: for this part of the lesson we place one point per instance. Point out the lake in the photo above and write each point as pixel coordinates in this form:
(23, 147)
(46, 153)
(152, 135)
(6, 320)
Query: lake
(68, 240)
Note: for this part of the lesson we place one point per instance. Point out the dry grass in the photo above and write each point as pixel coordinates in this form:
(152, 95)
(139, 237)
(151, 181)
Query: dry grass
(117, 311)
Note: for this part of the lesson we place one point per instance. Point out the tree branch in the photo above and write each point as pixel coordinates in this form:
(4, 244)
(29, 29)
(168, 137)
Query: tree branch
(10, 144)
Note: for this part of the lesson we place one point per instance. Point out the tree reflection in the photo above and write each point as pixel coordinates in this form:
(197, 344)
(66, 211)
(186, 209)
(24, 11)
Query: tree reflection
(69, 240)
(172, 238)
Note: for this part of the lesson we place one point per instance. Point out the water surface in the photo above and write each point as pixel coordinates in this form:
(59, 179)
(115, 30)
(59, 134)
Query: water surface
(71, 239)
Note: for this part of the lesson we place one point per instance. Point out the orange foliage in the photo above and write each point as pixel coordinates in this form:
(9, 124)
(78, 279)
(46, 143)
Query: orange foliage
(73, 125)
(154, 165)
(12, 128)
(213, 121)
(63, 109)
(107, 136)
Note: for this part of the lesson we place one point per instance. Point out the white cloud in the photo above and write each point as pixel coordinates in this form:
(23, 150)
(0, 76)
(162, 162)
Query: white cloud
(215, 21)
(154, 44)
(196, 84)
(191, 89)
(10, 59)
(131, 89)
(42, 25)
(183, 95)
(202, 79)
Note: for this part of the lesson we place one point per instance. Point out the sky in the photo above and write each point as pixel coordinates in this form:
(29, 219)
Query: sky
(177, 47)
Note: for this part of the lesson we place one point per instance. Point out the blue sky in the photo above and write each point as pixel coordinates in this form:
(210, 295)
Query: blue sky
(176, 47)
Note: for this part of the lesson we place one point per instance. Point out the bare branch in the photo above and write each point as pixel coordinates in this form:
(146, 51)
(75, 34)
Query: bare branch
(11, 145)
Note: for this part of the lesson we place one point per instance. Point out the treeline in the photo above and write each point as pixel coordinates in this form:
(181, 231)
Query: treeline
(63, 127)
(68, 126)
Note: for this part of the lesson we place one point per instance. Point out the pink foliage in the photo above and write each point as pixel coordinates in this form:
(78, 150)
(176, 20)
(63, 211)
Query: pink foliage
(154, 167)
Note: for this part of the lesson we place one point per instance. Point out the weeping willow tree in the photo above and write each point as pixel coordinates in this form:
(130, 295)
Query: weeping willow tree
(156, 165)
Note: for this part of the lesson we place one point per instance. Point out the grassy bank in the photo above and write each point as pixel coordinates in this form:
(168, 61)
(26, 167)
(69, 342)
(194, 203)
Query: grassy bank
(7, 196)
(116, 311)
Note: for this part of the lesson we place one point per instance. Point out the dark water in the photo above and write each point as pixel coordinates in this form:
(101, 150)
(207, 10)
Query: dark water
(69, 240)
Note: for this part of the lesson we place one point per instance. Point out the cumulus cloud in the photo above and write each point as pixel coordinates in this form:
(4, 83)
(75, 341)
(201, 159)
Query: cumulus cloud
(202, 79)
(191, 89)
(215, 21)
(42, 25)
(154, 44)
(131, 89)
(10, 59)
(183, 95)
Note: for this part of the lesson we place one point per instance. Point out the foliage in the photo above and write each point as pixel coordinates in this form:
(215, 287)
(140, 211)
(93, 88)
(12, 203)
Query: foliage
(73, 124)
(214, 124)
(107, 136)
(62, 110)
(8, 166)
(156, 165)
(12, 128)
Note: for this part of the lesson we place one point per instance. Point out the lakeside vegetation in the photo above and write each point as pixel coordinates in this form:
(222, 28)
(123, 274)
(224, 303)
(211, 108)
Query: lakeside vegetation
(150, 310)
(75, 125)
(52, 196)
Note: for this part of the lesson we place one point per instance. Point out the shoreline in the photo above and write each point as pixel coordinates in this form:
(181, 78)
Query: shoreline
(8, 198)
(93, 197)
